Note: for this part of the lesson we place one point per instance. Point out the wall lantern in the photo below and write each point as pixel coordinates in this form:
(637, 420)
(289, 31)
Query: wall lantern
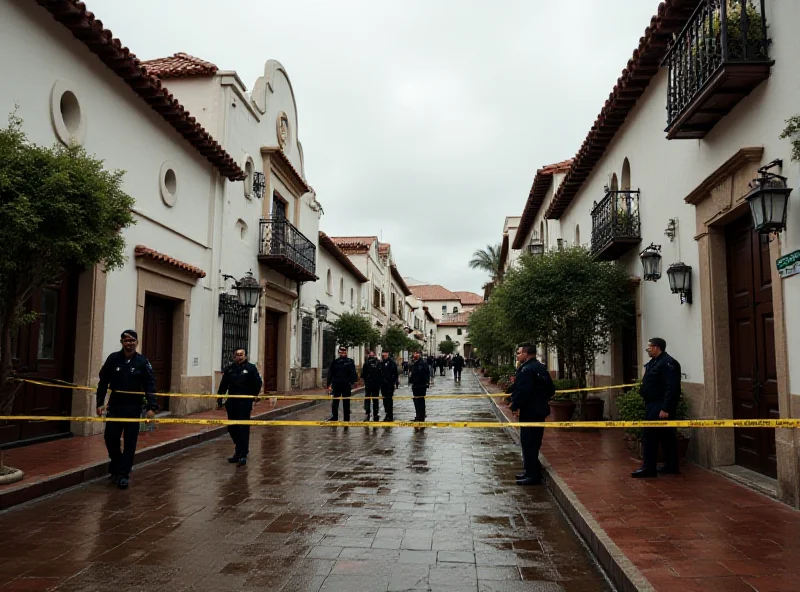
(248, 290)
(321, 312)
(768, 200)
(259, 183)
(651, 263)
(680, 281)
(536, 247)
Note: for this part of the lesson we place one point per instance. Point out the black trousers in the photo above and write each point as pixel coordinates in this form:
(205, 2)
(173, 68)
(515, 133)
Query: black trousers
(530, 440)
(343, 392)
(456, 373)
(372, 391)
(652, 437)
(240, 434)
(387, 390)
(122, 458)
(419, 401)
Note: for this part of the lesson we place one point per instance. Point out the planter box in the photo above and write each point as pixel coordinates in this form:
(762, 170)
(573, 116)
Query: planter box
(562, 410)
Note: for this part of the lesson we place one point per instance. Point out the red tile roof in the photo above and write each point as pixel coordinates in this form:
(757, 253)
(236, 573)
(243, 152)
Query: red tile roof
(327, 243)
(100, 41)
(400, 281)
(383, 249)
(179, 65)
(354, 245)
(469, 298)
(541, 183)
(432, 292)
(457, 320)
(641, 68)
(142, 251)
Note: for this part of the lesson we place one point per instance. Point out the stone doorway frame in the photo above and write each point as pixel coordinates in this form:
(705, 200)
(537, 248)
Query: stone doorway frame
(719, 200)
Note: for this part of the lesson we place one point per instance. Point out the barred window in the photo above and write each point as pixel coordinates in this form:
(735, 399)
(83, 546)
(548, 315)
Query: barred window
(305, 337)
(235, 327)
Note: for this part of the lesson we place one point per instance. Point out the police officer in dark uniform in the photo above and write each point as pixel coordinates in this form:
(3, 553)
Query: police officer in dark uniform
(530, 395)
(420, 379)
(342, 376)
(458, 366)
(389, 381)
(133, 386)
(661, 390)
(371, 373)
(240, 378)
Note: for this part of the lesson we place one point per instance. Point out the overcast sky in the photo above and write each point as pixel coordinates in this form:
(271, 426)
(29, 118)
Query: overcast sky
(422, 121)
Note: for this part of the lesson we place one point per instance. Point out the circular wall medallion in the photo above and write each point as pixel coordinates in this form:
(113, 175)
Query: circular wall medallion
(168, 182)
(67, 113)
(283, 129)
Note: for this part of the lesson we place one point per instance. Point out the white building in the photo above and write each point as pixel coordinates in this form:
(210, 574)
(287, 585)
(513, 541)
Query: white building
(73, 82)
(629, 186)
(450, 311)
(364, 252)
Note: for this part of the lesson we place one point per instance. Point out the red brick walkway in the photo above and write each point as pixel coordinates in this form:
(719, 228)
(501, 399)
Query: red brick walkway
(694, 531)
(51, 466)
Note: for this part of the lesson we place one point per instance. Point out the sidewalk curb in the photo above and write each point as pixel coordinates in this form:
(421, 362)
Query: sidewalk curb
(81, 474)
(619, 569)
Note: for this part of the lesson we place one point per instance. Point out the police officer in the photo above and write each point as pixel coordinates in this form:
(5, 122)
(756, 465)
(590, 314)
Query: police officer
(389, 381)
(661, 390)
(420, 379)
(133, 386)
(342, 377)
(240, 378)
(371, 373)
(458, 366)
(530, 395)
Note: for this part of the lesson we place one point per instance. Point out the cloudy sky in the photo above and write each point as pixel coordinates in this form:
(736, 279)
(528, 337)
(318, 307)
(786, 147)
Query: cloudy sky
(422, 121)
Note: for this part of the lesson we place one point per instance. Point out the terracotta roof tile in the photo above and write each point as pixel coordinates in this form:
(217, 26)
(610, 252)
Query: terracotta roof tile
(469, 298)
(354, 245)
(100, 41)
(383, 249)
(671, 17)
(541, 183)
(327, 243)
(179, 65)
(432, 292)
(142, 251)
(400, 281)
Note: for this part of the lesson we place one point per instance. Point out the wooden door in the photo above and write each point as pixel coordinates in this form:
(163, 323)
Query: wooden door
(271, 351)
(157, 343)
(45, 349)
(753, 369)
(630, 349)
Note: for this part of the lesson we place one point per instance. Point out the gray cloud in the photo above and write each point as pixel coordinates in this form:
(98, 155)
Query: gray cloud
(422, 120)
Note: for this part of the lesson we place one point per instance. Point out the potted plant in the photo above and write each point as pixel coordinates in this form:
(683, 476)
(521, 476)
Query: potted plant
(562, 405)
(594, 408)
(631, 408)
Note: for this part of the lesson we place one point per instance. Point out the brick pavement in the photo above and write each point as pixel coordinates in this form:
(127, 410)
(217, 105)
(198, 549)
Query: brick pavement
(694, 531)
(315, 509)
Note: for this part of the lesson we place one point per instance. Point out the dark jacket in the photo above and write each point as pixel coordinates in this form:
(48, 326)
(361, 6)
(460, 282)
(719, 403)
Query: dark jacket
(240, 379)
(342, 372)
(371, 373)
(661, 383)
(533, 387)
(389, 372)
(122, 374)
(420, 375)
(458, 362)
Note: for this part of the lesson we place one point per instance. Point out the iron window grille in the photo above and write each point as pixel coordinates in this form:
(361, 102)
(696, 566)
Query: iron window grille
(305, 339)
(235, 327)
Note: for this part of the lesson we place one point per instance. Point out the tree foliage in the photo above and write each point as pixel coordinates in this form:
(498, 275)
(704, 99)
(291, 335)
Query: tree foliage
(493, 339)
(447, 347)
(353, 330)
(487, 260)
(60, 210)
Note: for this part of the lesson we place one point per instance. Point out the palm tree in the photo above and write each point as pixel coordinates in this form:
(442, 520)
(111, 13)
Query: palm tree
(487, 259)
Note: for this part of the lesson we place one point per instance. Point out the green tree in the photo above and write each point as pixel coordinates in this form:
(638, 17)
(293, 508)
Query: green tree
(447, 347)
(569, 301)
(353, 330)
(395, 340)
(489, 333)
(60, 210)
(487, 260)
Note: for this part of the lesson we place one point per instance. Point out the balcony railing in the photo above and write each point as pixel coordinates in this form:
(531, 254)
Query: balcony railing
(615, 224)
(718, 58)
(286, 250)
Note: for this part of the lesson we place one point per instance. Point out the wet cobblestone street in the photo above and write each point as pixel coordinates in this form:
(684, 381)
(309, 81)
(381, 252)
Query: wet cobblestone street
(334, 509)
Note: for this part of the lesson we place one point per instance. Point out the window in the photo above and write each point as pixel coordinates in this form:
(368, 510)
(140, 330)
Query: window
(305, 338)
(444, 309)
(168, 184)
(395, 308)
(455, 310)
(330, 283)
(235, 327)
(47, 324)
(376, 298)
(614, 183)
(577, 235)
(626, 175)
(383, 300)
(341, 290)
(447, 338)
(458, 331)
(249, 171)
(352, 298)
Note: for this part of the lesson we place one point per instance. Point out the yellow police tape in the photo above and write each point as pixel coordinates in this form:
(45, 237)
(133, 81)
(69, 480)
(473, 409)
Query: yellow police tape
(309, 397)
(687, 423)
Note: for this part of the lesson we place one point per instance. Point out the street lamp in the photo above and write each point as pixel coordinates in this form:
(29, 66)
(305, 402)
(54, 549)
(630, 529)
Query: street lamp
(769, 200)
(651, 263)
(321, 312)
(680, 281)
(248, 290)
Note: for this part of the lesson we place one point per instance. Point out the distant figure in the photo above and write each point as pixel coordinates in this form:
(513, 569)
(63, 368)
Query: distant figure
(373, 378)
(342, 376)
(458, 366)
(420, 380)
(240, 378)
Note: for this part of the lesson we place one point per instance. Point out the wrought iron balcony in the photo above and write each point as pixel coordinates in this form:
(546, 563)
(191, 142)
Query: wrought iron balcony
(718, 58)
(615, 224)
(286, 250)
